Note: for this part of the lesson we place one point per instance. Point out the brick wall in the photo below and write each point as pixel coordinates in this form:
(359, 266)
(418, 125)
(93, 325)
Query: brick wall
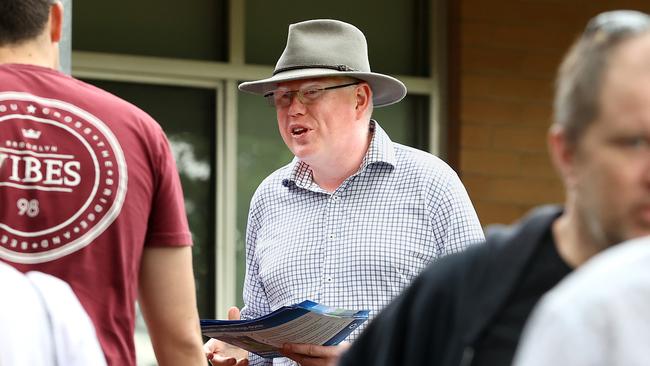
(509, 51)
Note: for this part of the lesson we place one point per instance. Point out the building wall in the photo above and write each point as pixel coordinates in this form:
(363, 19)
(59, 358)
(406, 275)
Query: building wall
(509, 51)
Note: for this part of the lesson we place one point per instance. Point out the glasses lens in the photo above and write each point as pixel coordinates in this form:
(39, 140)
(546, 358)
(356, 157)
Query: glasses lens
(282, 98)
(310, 94)
(279, 98)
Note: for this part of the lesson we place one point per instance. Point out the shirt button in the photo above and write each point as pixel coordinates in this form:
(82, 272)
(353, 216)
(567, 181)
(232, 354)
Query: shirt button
(331, 236)
(328, 278)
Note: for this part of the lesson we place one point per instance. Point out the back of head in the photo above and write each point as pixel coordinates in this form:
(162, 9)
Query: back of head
(22, 20)
(580, 77)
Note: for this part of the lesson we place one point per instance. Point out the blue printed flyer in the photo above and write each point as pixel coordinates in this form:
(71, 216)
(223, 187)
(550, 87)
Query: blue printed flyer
(306, 322)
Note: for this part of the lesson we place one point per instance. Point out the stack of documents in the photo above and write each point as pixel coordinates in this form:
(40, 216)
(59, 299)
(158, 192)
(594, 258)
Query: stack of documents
(307, 322)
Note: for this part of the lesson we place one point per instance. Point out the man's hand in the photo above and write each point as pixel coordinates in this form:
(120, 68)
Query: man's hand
(223, 354)
(313, 355)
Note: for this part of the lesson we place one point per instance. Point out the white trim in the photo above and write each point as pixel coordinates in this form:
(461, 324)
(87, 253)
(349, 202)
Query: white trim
(226, 181)
(226, 226)
(226, 253)
(438, 82)
(182, 72)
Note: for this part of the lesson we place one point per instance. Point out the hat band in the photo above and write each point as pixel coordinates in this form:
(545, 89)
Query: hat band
(332, 67)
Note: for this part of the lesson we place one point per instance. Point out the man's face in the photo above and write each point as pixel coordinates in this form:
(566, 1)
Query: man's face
(612, 159)
(324, 128)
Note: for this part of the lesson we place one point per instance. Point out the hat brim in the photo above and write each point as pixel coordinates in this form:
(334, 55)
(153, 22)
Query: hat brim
(386, 90)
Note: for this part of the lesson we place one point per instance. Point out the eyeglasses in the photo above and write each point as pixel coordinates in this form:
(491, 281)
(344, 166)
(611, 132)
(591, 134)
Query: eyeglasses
(282, 98)
(618, 22)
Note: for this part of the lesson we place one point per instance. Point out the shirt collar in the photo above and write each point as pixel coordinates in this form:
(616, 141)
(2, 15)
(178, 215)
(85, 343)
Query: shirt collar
(380, 151)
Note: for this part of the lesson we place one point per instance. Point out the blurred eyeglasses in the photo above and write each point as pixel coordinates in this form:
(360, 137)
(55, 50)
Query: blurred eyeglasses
(282, 98)
(618, 22)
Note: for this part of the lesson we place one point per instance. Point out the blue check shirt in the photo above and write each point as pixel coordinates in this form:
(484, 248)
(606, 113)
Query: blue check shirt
(358, 247)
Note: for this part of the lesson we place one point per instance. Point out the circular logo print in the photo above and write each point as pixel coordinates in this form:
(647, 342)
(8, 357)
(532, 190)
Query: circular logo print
(62, 178)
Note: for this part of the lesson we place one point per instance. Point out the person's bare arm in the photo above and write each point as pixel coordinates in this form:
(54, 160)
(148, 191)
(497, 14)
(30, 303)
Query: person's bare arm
(168, 302)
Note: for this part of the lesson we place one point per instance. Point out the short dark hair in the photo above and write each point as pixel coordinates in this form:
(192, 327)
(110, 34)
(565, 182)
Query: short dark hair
(22, 20)
(580, 77)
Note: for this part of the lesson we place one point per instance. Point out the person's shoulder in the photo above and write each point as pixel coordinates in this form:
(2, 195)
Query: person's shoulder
(420, 158)
(536, 221)
(593, 281)
(446, 273)
(629, 254)
(477, 264)
(272, 183)
(423, 166)
(498, 239)
(277, 177)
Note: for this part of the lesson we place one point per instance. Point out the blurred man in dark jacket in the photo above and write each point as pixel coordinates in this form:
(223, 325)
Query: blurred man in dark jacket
(470, 308)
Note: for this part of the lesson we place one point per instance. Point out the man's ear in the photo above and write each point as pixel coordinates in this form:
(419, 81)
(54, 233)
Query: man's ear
(363, 96)
(56, 22)
(563, 154)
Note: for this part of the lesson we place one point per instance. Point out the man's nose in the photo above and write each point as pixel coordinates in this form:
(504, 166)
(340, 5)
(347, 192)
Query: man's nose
(295, 105)
(645, 169)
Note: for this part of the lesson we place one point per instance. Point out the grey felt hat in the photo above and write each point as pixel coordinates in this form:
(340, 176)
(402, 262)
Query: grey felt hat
(324, 48)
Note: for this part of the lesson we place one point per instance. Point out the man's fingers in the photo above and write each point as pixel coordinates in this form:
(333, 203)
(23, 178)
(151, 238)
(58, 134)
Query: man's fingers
(233, 313)
(313, 355)
(217, 360)
(313, 350)
(210, 346)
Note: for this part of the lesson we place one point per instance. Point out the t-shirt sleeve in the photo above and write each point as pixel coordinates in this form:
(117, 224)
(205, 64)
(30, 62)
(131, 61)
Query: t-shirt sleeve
(168, 224)
(559, 336)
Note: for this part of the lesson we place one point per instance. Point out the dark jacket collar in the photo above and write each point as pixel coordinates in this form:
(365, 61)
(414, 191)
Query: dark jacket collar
(510, 250)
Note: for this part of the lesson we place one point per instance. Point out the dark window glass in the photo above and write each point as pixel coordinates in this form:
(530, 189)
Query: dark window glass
(194, 29)
(397, 32)
(260, 151)
(406, 122)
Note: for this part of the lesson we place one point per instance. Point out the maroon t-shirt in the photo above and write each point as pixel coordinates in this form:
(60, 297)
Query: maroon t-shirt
(87, 180)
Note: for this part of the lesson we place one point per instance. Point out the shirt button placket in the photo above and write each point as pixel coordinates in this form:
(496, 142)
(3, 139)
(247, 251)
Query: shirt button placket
(333, 230)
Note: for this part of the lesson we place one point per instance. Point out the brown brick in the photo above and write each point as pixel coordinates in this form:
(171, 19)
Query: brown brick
(520, 138)
(525, 191)
(494, 112)
(475, 136)
(519, 191)
(490, 213)
(476, 185)
(509, 52)
(538, 12)
(540, 114)
(508, 61)
(490, 163)
(538, 165)
(518, 36)
(489, 112)
(506, 87)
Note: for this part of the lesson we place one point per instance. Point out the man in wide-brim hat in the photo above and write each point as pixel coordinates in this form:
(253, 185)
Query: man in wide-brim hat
(354, 217)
